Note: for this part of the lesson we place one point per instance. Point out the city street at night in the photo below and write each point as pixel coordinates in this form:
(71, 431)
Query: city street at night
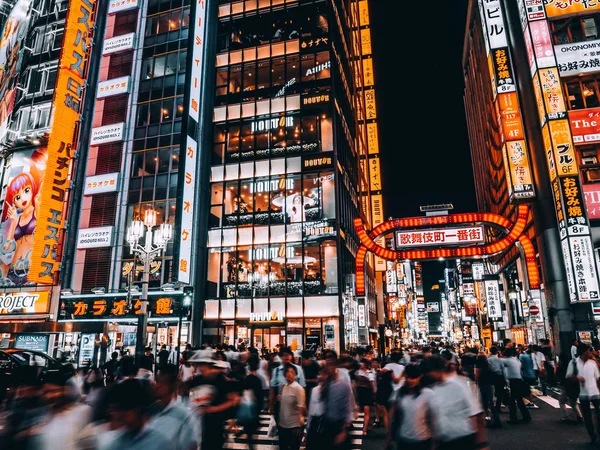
(299, 224)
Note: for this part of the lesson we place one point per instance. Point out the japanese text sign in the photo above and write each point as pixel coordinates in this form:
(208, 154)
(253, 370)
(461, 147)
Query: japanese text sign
(494, 21)
(100, 184)
(503, 70)
(563, 148)
(552, 93)
(584, 268)
(578, 57)
(585, 125)
(441, 236)
(67, 107)
(520, 170)
(555, 8)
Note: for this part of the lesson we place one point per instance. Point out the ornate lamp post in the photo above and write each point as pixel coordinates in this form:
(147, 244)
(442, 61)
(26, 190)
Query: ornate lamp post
(155, 240)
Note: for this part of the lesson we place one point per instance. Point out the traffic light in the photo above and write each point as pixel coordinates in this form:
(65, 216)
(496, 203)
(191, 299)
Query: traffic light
(188, 295)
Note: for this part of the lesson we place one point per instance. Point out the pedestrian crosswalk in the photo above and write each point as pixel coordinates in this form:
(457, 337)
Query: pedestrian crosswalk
(261, 441)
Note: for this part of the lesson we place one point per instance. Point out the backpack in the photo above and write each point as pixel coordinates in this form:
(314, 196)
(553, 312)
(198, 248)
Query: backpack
(384, 384)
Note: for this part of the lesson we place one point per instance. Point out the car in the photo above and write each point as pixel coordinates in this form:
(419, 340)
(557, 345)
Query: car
(14, 361)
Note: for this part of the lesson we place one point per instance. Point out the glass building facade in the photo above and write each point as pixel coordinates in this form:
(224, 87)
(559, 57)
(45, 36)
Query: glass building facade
(284, 182)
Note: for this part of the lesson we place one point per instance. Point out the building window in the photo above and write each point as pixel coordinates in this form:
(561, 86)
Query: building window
(575, 29)
(272, 26)
(582, 93)
(169, 21)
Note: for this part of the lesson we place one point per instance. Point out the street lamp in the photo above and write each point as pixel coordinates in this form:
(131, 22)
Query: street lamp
(155, 240)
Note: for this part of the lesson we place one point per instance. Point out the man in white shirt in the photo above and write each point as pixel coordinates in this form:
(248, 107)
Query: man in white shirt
(396, 368)
(278, 379)
(454, 408)
(588, 375)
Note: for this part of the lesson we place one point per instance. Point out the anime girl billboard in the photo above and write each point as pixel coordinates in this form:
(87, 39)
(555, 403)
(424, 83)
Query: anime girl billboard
(19, 215)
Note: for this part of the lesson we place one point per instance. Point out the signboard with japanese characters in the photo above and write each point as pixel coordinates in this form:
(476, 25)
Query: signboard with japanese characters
(492, 296)
(116, 6)
(592, 200)
(535, 9)
(584, 267)
(585, 125)
(189, 187)
(542, 44)
(116, 86)
(117, 307)
(107, 134)
(440, 237)
(572, 195)
(370, 104)
(118, 44)
(478, 271)
(555, 8)
(309, 44)
(197, 58)
(494, 21)
(67, 108)
(375, 174)
(95, 237)
(563, 148)
(510, 114)
(373, 138)
(520, 170)
(578, 57)
(505, 81)
(390, 278)
(101, 184)
(569, 270)
(552, 93)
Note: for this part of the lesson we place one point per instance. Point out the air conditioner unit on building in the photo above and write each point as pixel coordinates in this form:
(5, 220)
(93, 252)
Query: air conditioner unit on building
(588, 160)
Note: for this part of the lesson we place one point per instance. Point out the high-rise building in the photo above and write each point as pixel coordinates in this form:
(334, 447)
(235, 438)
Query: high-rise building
(531, 100)
(289, 173)
(48, 61)
(134, 179)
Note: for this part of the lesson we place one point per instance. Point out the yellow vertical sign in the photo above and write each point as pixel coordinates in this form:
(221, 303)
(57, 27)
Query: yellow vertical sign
(375, 174)
(365, 39)
(67, 105)
(563, 148)
(368, 74)
(363, 12)
(372, 138)
(370, 104)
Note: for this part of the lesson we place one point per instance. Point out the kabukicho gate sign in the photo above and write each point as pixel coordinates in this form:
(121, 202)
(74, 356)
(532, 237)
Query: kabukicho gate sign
(449, 236)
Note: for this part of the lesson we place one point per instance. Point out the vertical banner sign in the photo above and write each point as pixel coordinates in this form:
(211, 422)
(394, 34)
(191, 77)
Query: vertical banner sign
(186, 207)
(66, 109)
(515, 153)
(187, 215)
(492, 295)
(390, 278)
(574, 229)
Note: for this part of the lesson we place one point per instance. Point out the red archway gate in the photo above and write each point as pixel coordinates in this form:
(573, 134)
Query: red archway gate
(513, 232)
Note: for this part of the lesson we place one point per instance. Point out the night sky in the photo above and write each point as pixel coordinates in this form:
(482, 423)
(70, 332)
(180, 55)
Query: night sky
(423, 137)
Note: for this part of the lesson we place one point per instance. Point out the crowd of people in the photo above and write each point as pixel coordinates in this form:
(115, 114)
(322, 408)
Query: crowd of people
(427, 397)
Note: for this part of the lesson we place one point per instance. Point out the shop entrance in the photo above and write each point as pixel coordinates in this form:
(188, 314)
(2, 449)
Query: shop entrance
(268, 337)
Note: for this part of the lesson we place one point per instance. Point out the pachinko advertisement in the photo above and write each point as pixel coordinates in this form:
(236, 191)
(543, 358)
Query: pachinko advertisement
(20, 208)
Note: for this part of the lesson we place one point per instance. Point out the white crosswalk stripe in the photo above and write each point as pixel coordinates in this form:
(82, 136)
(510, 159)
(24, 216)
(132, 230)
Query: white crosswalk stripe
(261, 441)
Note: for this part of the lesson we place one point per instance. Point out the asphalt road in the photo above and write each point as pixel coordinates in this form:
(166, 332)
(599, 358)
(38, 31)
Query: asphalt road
(545, 432)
